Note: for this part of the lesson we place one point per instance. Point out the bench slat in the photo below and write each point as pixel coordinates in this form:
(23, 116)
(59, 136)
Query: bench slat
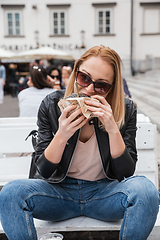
(18, 120)
(12, 140)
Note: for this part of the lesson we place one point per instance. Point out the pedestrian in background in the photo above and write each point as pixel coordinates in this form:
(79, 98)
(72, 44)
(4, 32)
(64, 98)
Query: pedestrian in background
(66, 72)
(42, 63)
(55, 73)
(2, 81)
(12, 79)
(40, 85)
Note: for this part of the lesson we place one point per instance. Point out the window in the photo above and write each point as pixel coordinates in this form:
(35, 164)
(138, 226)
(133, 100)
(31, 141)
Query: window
(151, 21)
(151, 16)
(59, 19)
(59, 22)
(13, 19)
(104, 18)
(13, 23)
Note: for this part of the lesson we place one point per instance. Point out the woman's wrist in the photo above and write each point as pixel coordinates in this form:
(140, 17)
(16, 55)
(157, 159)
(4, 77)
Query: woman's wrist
(60, 137)
(54, 151)
(117, 145)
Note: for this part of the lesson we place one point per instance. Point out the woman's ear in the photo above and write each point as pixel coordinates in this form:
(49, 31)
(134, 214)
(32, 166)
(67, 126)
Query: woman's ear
(29, 83)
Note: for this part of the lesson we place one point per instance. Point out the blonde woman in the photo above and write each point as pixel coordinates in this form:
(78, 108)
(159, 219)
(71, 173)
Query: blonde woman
(82, 168)
(66, 72)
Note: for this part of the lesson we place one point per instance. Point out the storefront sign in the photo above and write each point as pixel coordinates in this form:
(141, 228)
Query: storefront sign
(65, 47)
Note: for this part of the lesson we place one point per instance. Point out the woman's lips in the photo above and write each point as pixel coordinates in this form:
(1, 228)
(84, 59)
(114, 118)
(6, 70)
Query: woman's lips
(86, 94)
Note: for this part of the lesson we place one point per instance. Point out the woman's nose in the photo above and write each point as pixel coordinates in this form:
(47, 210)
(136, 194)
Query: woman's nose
(90, 88)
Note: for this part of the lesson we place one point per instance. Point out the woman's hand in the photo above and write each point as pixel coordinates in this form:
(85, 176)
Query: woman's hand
(51, 81)
(104, 112)
(69, 125)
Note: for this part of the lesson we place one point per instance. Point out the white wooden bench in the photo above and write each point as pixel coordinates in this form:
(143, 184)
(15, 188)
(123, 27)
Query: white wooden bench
(15, 157)
(18, 122)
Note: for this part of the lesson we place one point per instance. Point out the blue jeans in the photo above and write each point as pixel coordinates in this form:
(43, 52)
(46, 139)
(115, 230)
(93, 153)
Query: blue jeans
(135, 199)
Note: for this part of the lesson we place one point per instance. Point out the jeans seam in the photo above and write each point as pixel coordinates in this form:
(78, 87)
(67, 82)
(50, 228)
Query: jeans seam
(108, 195)
(125, 225)
(126, 218)
(29, 226)
(47, 195)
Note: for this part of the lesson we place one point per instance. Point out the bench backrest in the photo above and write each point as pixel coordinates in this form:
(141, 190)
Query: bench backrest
(15, 152)
(146, 141)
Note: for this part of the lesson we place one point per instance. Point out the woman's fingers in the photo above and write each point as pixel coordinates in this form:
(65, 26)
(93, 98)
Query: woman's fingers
(74, 115)
(75, 118)
(103, 111)
(98, 107)
(101, 99)
(78, 121)
(67, 110)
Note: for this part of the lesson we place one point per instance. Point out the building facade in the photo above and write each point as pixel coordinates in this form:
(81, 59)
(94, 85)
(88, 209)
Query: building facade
(131, 27)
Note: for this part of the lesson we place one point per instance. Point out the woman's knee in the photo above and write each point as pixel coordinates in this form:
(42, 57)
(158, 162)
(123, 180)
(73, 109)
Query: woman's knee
(14, 191)
(10, 189)
(143, 190)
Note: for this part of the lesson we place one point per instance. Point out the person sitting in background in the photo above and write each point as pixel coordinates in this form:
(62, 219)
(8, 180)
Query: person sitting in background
(40, 85)
(66, 72)
(55, 74)
(126, 89)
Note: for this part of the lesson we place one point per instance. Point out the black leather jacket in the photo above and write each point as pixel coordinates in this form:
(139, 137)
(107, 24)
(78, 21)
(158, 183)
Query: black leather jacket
(117, 168)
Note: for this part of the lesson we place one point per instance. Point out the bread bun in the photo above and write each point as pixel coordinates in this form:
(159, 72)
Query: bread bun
(79, 102)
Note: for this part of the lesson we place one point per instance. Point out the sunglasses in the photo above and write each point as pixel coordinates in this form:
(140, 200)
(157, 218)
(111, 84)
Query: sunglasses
(55, 76)
(100, 87)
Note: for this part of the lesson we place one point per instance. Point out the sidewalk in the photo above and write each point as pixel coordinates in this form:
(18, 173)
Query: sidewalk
(145, 91)
(9, 108)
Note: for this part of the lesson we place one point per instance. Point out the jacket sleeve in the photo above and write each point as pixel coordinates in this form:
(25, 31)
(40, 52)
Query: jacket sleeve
(45, 135)
(124, 165)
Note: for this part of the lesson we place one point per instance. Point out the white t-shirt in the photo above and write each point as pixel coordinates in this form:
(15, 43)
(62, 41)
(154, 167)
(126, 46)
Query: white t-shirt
(30, 100)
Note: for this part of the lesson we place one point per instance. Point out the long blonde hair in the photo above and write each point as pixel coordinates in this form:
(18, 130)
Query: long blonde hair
(115, 97)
